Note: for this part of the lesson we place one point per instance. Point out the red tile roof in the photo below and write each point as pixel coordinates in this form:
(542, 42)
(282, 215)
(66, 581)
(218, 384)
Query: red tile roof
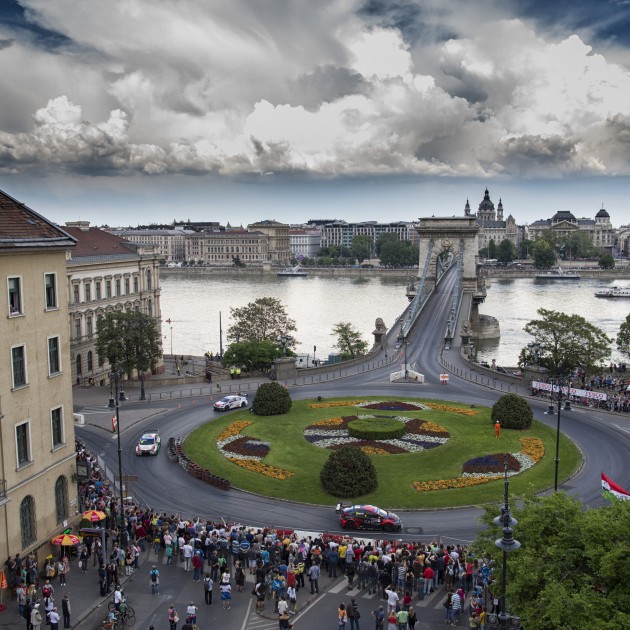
(22, 227)
(95, 242)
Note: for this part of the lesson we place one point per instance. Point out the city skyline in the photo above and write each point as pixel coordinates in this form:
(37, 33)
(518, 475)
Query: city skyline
(372, 110)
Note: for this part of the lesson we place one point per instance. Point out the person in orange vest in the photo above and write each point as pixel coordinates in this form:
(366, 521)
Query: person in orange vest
(497, 429)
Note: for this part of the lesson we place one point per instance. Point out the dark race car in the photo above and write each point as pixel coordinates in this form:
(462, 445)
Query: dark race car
(368, 517)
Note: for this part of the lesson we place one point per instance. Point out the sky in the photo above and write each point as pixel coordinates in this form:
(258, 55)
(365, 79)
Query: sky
(130, 112)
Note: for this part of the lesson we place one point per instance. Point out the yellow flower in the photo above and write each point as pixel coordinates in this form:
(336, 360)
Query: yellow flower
(328, 422)
(335, 403)
(373, 450)
(234, 429)
(465, 412)
(447, 484)
(533, 447)
(262, 469)
(434, 428)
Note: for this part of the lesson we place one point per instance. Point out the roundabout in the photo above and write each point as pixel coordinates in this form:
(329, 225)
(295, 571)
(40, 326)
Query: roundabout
(427, 453)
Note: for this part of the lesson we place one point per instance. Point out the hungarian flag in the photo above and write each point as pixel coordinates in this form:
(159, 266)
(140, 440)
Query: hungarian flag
(613, 492)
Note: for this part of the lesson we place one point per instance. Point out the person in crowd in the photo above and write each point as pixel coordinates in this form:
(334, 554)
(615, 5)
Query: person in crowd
(173, 617)
(208, 586)
(66, 610)
(342, 616)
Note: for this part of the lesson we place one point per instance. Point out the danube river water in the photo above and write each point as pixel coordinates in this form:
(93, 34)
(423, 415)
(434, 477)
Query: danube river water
(193, 301)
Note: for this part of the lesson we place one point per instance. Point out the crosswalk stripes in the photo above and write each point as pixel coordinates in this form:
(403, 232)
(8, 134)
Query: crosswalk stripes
(89, 410)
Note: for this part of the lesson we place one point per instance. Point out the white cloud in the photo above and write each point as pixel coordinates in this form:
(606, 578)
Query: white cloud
(235, 87)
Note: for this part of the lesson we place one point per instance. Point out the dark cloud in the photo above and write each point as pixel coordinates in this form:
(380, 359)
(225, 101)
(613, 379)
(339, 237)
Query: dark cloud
(537, 156)
(326, 84)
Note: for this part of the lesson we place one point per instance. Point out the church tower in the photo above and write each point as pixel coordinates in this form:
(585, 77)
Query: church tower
(486, 209)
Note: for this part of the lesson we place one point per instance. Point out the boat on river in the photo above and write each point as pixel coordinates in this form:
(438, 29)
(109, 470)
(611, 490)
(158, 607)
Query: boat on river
(613, 292)
(296, 272)
(559, 274)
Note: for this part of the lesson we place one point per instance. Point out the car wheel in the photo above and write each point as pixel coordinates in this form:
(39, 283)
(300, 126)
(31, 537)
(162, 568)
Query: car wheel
(350, 525)
(388, 527)
(243, 404)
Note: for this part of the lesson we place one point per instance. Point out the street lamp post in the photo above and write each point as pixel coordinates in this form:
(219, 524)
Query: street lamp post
(403, 339)
(506, 543)
(115, 377)
(551, 411)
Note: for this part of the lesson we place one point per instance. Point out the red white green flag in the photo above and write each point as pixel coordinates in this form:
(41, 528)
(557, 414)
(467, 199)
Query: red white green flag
(613, 492)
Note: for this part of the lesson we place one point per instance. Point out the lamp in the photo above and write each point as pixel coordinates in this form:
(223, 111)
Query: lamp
(115, 377)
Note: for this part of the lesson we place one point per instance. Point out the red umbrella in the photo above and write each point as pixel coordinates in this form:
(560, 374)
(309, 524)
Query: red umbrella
(66, 540)
(93, 515)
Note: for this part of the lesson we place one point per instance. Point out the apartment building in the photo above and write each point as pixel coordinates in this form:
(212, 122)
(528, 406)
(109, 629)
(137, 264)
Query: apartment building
(38, 495)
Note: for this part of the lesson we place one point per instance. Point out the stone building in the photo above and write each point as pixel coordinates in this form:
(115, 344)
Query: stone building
(340, 233)
(38, 495)
(563, 223)
(171, 243)
(221, 248)
(492, 225)
(278, 236)
(305, 242)
(105, 273)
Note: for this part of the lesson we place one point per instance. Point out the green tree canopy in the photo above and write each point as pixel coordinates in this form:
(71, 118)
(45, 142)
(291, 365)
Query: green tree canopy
(397, 253)
(578, 244)
(349, 340)
(573, 567)
(544, 254)
(606, 261)
(506, 252)
(623, 338)
(252, 355)
(129, 341)
(362, 246)
(386, 237)
(525, 248)
(492, 249)
(566, 342)
(264, 318)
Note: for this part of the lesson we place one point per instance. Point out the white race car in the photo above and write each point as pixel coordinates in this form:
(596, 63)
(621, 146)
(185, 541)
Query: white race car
(149, 444)
(234, 401)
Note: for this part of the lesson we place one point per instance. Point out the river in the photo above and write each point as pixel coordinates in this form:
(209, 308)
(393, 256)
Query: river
(193, 301)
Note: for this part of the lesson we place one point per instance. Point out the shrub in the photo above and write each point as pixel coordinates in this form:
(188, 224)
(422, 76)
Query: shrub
(349, 472)
(513, 412)
(376, 429)
(272, 399)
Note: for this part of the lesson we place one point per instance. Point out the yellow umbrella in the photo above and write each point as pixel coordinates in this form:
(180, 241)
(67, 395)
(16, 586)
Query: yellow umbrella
(66, 540)
(93, 515)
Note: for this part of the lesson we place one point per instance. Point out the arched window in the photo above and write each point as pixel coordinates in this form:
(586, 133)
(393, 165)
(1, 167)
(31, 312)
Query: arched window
(27, 521)
(90, 366)
(79, 369)
(148, 280)
(150, 308)
(61, 498)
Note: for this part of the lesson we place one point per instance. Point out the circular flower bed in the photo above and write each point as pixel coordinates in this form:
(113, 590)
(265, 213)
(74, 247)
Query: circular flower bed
(376, 429)
(418, 435)
(392, 405)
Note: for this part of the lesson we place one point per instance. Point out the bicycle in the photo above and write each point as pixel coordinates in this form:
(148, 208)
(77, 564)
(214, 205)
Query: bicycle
(127, 615)
(112, 624)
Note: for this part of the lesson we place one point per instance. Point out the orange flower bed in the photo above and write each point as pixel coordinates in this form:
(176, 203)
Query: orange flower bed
(461, 410)
(533, 447)
(432, 427)
(335, 403)
(233, 429)
(448, 484)
(328, 422)
(373, 450)
(262, 469)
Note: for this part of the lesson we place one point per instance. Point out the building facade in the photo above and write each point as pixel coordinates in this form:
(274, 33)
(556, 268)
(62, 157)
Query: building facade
(340, 233)
(305, 242)
(221, 248)
(171, 244)
(492, 226)
(38, 493)
(563, 223)
(278, 237)
(105, 273)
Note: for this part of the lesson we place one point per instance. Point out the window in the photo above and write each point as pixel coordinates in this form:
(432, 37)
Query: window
(15, 296)
(150, 308)
(126, 286)
(61, 498)
(56, 427)
(27, 521)
(108, 288)
(148, 280)
(90, 360)
(50, 286)
(79, 368)
(87, 290)
(75, 289)
(90, 328)
(22, 444)
(135, 284)
(97, 286)
(54, 364)
(18, 360)
(117, 288)
(77, 328)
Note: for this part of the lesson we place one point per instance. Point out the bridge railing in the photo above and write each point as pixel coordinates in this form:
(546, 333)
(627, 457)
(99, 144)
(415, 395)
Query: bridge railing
(493, 381)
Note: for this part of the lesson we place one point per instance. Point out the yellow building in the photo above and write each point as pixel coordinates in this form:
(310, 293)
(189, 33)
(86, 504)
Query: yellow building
(278, 237)
(38, 495)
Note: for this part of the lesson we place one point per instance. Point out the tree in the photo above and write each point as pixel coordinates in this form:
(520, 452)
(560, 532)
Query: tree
(492, 249)
(572, 568)
(567, 342)
(623, 337)
(513, 412)
(349, 340)
(129, 341)
(362, 246)
(544, 254)
(348, 473)
(264, 318)
(386, 237)
(271, 400)
(252, 355)
(524, 248)
(506, 252)
(606, 261)
(397, 253)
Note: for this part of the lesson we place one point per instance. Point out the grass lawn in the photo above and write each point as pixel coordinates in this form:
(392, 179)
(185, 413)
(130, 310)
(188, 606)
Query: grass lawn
(470, 436)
